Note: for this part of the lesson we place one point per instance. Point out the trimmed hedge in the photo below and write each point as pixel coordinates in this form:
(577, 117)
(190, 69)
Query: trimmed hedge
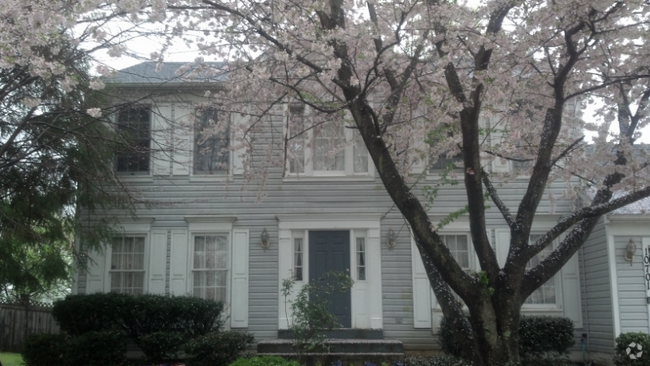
(106, 348)
(265, 361)
(632, 341)
(538, 335)
(99, 325)
(43, 349)
(217, 349)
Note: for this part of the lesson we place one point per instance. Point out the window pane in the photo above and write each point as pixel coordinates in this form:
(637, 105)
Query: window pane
(297, 140)
(298, 258)
(360, 154)
(329, 149)
(127, 265)
(545, 294)
(133, 125)
(210, 267)
(443, 163)
(212, 144)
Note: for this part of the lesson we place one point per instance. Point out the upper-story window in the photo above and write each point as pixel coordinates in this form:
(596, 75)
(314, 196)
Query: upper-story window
(211, 144)
(134, 125)
(327, 149)
(445, 163)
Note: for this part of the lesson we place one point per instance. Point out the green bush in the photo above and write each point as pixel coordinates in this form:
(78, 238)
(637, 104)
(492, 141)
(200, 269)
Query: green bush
(624, 341)
(264, 361)
(137, 315)
(434, 361)
(96, 349)
(538, 335)
(545, 334)
(446, 340)
(99, 312)
(161, 347)
(217, 349)
(43, 349)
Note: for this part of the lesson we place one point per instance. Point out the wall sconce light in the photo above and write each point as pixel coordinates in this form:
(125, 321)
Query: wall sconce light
(390, 240)
(630, 250)
(264, 239)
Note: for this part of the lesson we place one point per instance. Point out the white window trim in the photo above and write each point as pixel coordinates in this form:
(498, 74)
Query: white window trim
(204, 177)
(140, 227)
(348, 161)
(211, 225)
(190, 277)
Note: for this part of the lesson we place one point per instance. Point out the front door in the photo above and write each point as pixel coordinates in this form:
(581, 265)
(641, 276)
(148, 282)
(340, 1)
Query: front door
(329, 251)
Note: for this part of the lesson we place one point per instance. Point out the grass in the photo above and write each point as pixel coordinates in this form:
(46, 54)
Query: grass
(11, 359)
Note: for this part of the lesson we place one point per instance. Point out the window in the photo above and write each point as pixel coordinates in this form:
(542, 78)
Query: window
(133, 124)
(443, 163)
(545, 294)
(210, 267)
(327, 149)
(212, 142)
(127, 265)
(459, 247)
(361, 259)
(298, 251)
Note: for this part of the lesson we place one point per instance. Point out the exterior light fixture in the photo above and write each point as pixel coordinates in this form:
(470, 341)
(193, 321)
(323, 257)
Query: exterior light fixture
(264, 239)
(630, 250)
(390, 240)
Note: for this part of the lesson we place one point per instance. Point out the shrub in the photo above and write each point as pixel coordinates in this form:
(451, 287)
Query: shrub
(545, 334)
(162, 346)
(538, 335)
(217, 349)
(137, 315)
(446, 340)
(43, 349)
(265, 361)
(434, 361)
(96, 349)
(624, 341)
(99, 312)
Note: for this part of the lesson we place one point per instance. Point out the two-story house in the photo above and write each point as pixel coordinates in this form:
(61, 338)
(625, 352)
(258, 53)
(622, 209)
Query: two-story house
(203, 235)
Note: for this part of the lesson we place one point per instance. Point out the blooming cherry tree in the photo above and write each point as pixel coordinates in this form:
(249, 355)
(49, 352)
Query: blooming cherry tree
(493, 80)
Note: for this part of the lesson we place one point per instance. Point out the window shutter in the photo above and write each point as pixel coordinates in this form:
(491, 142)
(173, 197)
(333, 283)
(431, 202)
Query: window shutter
(95, 271)
(158, 262)
(285, 271)
(160, 139)
(571, 291)
(239, 298)
(421, 291)
(183, 139)
(237, 142)
(502, 245)
(178, 263)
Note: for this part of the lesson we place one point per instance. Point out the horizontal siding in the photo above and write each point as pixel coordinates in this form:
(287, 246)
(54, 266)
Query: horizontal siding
(597, 292)
(171, 198)
(631, 288)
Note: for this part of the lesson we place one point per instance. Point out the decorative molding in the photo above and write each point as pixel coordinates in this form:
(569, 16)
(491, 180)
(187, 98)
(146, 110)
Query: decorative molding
(191, 219)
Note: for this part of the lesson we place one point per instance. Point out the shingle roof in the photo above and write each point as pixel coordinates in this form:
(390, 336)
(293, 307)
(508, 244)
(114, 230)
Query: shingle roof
(170, 72)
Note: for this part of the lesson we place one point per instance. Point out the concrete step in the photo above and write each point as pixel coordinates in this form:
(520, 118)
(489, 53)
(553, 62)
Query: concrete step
(341, 334)
(336, 346)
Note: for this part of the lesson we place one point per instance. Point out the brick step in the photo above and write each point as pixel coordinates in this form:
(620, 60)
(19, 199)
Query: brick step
(341, 334)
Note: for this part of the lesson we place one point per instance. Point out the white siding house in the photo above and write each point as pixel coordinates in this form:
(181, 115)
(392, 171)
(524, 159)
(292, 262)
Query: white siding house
(202, 234)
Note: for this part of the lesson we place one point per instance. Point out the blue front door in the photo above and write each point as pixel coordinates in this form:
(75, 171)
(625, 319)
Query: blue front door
(329, 251)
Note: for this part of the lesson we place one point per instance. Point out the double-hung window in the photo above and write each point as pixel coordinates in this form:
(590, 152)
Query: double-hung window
(212, 144)
(331, 148)
(546, 294)
(446, 164)
(210, 267)
(127, 265)
(134, 126)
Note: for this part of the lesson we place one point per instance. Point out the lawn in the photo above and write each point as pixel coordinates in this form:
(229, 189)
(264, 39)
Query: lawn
(11, 359)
